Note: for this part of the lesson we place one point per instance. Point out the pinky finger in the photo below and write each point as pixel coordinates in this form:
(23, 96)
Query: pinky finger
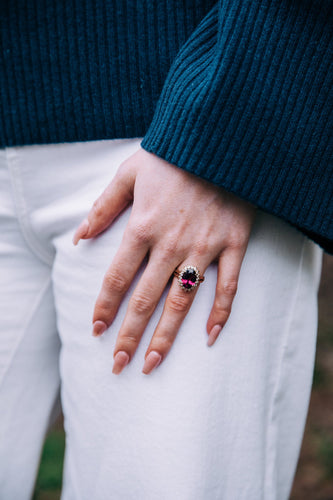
(229, 266)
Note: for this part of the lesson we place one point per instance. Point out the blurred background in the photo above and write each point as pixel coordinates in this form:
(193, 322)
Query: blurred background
(314, 476)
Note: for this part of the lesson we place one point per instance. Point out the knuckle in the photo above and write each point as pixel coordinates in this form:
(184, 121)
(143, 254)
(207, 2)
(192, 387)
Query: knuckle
(115, 282)
(201, 248)
(170, 249)
(124, 168)
(141, 233)
(142, 304)
(98, 208)
(178, 304)
(230, 288)
(164, 345)
(222, 310)
(129, 342)
(237, 239)
(102, 310)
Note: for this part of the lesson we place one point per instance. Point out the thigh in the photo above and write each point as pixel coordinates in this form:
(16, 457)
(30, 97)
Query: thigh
(29, 349)
(224, 422)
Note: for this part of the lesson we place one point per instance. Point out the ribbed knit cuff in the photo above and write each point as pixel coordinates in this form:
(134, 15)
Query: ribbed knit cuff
(248, 105)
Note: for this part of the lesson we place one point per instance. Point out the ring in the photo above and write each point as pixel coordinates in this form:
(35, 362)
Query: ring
(189, 277)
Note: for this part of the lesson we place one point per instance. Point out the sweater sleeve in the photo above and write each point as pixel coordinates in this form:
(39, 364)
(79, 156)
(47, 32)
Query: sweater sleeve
(248, 105)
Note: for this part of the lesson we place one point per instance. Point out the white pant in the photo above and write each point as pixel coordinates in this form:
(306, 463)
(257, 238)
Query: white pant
(210, 423)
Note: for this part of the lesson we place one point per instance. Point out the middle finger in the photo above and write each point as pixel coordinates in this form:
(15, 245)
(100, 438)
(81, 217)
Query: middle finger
(141, 306)
(176, 307)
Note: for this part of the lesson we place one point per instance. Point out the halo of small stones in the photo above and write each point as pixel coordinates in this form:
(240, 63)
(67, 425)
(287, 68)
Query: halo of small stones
(180, 277)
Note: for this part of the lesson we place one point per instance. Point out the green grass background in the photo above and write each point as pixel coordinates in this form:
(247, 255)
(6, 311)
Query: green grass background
(48, 484)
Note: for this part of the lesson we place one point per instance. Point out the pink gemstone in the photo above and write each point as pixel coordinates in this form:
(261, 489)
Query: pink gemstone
(189, 279)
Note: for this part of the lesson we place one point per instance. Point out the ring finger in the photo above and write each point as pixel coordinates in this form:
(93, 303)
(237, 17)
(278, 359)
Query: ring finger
(176, 307)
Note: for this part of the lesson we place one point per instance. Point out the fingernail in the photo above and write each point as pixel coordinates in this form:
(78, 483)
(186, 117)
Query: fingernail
(120, 361)
(81, 231)
(214, 333)
(99, 327)
(152, 360)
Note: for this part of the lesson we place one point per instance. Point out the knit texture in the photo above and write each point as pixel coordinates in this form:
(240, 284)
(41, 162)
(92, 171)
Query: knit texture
(79, 70)
(248, 105)
(238, 92)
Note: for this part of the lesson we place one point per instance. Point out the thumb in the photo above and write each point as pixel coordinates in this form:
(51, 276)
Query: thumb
(115, 198)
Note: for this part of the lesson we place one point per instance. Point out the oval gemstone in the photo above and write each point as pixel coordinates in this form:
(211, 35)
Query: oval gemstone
(189, 278)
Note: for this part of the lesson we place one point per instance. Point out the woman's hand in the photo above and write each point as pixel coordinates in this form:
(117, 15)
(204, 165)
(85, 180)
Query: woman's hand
(178, 219)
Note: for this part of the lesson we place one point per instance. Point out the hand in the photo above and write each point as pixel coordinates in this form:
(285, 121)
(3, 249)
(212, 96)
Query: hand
(178, 219)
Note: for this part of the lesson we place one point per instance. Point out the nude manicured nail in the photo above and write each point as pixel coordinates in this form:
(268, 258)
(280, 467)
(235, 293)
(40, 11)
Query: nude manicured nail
(152, 360)
(121, 359)
(81, 231)
(214, 333)
(99, 327)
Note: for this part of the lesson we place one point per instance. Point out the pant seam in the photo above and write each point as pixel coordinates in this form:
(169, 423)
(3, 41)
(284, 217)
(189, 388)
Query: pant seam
(271, 441)
(21, 209)
(21, 335)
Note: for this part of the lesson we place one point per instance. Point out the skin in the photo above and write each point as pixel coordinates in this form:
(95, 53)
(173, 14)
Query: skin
(202, 224)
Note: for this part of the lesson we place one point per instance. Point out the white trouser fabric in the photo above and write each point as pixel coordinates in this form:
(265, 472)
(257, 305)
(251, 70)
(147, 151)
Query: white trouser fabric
(210, 423)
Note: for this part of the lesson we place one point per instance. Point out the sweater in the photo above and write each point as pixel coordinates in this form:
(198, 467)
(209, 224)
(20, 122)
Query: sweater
(238, 92)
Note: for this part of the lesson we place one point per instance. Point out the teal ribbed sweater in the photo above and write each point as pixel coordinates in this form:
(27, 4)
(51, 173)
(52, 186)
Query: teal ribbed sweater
(239, 92)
